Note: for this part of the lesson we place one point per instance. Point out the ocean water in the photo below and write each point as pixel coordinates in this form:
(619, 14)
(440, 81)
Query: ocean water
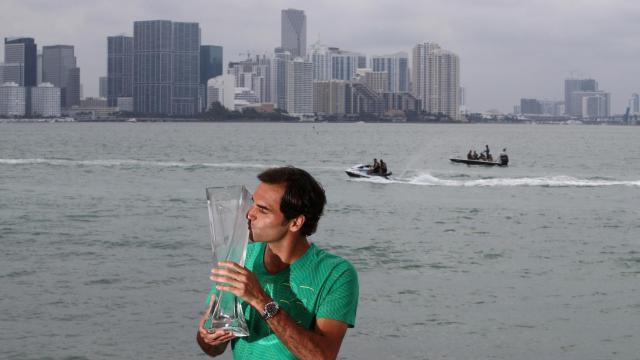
(106, 253)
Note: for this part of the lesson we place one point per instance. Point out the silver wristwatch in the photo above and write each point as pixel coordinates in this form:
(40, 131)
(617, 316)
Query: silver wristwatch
(270, 310)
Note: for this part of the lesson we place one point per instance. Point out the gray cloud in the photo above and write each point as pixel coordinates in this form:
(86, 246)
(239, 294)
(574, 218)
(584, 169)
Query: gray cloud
(508, 48)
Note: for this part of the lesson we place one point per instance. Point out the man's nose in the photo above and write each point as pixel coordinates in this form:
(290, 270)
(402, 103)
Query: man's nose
(250, 214)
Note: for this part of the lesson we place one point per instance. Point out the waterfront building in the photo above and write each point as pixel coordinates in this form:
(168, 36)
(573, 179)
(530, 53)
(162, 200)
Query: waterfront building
(221, 89)
(377, 81)
(593, 104)
(329, 97)
(39, 69)
(573, 105)
(166, 68)
(210, 66)
(59, 67)
(344, 64)
(103, 86)
(397, 66)
(634, 103)
(361, 99)
(279, 77)
(12, 72)
(119, 68)
(22, 51)
(45, 100)
(255, 74)
(293, 32)
(124, 104)
(436, 79)
(321, 61)
(530, 106)
(210, 62)
(299, 88)
(401, 102)
(13, 100)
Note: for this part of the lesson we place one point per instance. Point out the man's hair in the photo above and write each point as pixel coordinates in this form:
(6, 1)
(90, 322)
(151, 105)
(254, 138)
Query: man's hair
(303, 195)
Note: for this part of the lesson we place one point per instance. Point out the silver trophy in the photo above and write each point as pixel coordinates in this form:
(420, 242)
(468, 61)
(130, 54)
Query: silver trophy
(228, 207)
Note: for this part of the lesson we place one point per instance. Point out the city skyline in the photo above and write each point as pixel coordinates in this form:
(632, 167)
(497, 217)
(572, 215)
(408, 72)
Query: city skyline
(507, 50)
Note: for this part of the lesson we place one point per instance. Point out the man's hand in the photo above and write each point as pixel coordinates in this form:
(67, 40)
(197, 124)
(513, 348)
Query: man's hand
(241, 282)
(212, 343)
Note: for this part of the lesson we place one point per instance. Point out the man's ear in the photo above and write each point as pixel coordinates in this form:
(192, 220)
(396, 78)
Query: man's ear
(296, 223)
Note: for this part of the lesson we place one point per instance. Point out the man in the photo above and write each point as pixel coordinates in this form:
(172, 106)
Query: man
(298, 299)
(504, 158)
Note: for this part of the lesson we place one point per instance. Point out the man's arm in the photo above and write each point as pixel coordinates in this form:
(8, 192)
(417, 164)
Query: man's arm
(213, 344)
(322, 343)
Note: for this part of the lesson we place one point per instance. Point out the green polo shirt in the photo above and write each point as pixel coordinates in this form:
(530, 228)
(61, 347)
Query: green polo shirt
(317, 285)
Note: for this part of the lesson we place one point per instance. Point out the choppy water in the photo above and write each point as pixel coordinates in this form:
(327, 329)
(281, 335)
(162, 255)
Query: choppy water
(105, 251)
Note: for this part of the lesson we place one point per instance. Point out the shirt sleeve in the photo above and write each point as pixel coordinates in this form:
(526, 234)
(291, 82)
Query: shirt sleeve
(340, 299)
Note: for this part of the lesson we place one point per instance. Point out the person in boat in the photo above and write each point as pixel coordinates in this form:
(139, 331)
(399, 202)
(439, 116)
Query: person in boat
(383, 167)
(482, 157)
(469, 155)
(486, 151)
(489, 157)
(475, 155)
(504, 158)
(299, 299)
(376, 167)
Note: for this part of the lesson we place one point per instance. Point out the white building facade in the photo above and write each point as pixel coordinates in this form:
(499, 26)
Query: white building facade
(13, 100)
(299, 89)
(436, 79)
(45, 100)
(222, 89)
(397, 66)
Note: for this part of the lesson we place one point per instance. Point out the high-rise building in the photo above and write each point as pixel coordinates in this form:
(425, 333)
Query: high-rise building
(294, 32)
(45, 100)
(103, 86)
(634, 103)
(221, 89)
(166, 67)
(299, 91)
(13, 99)
(119, 68)
(436, 79)
(397, 66)
(573, 106)
(329, 97)
(254, 74)
(377, 81)
(210, 62)
(12, 73)
(39, 69)
(530, 106)
(279, 77)
(22, 50)
(59, 68)
(591, 104)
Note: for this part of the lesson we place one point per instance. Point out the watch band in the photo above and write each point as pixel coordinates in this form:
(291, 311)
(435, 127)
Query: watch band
(270, 310)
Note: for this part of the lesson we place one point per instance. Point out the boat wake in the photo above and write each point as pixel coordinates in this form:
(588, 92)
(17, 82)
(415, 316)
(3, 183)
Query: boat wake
(126, 163)
(426, 179)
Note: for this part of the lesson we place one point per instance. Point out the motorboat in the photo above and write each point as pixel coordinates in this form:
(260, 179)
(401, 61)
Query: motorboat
(364, 171)
(478, 162)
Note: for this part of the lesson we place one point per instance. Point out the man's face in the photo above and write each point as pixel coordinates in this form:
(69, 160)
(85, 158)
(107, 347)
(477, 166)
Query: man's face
(266, 221)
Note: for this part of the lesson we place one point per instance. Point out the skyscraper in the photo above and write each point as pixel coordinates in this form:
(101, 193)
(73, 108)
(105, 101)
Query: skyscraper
(210, 62)
(166, 67)
(436, 79)
(59, 68)
(119, 68)
(573, 105)
(23, 51)
(397, 66)
(294, 32)
(299, 98)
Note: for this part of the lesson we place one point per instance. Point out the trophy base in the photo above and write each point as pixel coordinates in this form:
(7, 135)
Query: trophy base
(235, 329)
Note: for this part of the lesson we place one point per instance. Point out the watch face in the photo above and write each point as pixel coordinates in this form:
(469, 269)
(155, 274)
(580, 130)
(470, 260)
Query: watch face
(270, 310)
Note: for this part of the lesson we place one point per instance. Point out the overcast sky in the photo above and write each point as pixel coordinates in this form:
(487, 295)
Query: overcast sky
(508, 48)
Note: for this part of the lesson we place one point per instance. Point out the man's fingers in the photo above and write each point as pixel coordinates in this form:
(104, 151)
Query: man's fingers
(231, 265)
